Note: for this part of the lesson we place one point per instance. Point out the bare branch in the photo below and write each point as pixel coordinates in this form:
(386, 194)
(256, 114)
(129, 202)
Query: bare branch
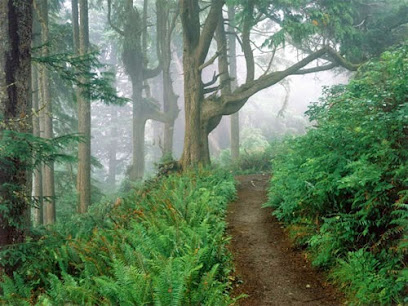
(209, 62)
(213, 81)
(211, 89)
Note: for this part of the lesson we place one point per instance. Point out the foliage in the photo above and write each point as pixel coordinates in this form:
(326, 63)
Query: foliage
(361, 28)
(163, 244)
(344, 184)
(25, 152)
(96, 83)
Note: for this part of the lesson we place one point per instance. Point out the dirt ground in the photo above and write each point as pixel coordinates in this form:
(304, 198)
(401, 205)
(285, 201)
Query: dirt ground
(271, 271)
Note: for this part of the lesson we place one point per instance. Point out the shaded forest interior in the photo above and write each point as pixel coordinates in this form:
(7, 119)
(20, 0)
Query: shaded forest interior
(124, 122)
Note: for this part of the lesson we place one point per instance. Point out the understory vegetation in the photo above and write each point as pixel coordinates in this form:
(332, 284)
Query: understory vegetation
(163, 244)
(255, 154)
(343, 187)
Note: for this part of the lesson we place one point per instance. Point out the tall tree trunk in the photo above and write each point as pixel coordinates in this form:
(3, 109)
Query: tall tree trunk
(194, 147)
(37, 175)
(139, 123)
(196, 44)
(46, 117)
(84, 120)
(15, 105)
(165, 27)
(233, 74)
(36, 85)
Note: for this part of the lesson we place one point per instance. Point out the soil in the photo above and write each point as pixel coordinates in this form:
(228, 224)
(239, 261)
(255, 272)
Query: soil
(270, 270)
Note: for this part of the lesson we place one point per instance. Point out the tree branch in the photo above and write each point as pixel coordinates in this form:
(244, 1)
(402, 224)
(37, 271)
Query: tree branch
(209, 62)
(208, 30)
(213, 81)
(211, 89)
(246, 43)
(151, 73)
(316, 69)
(341, 60)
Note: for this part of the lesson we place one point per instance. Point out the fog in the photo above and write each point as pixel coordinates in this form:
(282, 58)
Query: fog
(271, 114)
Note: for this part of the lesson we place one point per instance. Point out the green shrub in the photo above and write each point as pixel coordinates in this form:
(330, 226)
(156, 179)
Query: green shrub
(163, 244)
(347, 180)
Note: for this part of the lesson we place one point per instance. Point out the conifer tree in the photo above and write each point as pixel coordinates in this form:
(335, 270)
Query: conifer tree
(81, 43)
(15, 106)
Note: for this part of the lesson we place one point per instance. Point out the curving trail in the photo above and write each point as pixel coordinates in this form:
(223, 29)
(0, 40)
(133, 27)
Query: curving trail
(271, 271)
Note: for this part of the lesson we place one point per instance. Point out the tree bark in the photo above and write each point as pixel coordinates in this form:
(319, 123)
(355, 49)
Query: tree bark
(165, 27)
(139, 123)
(15, 105)
(84, 120)
(234, 82)
(37, 174)
(46, 117)
(196, 46)
(36, 85)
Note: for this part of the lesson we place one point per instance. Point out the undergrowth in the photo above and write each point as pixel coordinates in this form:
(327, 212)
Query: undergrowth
(249, 161)
(343, 187)
(164, 244)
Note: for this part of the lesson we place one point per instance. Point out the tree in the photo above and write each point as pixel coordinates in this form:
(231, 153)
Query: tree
(166, 22)
(316, 29)
(81, 45)
(45, 111)
(35, 85)
(132, 25)
(15, 105)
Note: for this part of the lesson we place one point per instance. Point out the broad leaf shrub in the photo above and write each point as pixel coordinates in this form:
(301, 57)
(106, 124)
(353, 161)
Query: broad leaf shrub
(343, 187)
(164, 245)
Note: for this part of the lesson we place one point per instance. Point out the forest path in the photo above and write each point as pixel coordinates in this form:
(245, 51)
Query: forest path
(272, 272)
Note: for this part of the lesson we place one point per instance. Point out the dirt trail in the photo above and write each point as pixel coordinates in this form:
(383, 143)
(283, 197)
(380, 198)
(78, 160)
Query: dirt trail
(271, 271)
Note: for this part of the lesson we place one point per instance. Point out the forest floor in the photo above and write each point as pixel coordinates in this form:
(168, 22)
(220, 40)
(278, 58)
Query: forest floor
(271, 270)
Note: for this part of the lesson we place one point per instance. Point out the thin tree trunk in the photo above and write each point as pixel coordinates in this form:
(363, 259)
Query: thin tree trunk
(233, 74)
(165, 28)
(15, 105)
(84, 120)
(36, 85)
(46, 117)
(37, 175)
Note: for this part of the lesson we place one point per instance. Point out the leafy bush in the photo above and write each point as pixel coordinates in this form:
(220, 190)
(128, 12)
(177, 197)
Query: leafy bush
(163, 244)
(346, 182)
